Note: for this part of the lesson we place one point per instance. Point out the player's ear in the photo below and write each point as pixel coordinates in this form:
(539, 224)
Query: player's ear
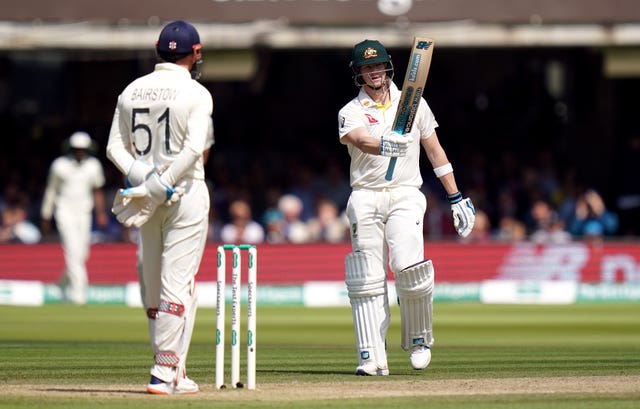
(197, 51)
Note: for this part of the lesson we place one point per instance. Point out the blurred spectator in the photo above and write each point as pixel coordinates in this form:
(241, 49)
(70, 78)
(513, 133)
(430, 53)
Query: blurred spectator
(334, 184)
(294, 230)
(302, 186)
(16, 228)
(242, 228)
(438, 220)
(272, 218)
(591, 218)
(510, 229)
(328, 225)
(546, 225)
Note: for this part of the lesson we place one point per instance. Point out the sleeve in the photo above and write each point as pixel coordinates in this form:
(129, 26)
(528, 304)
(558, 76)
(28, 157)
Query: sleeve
(210, 136)
(48, 201)
(118, 145)
(427, 123)
(98, 174)
(198, 131)
(200, 126)
(348, 120)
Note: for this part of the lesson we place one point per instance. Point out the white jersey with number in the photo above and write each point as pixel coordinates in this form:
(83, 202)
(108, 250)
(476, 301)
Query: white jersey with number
(159, 115)
(368, 171)
(158, 119)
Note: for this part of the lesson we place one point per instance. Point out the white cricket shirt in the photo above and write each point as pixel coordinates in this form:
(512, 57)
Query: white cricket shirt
(368, 171)
(71, 183)
(158, 116)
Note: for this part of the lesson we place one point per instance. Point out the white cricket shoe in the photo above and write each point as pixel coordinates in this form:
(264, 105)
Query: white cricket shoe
(370, 368)
(420, 356)
(159, 387)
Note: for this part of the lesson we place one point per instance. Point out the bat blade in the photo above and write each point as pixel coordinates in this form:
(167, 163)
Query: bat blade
(412, 89)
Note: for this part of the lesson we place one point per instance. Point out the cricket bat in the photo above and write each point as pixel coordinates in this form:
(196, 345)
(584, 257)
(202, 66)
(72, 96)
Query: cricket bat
(412, 89)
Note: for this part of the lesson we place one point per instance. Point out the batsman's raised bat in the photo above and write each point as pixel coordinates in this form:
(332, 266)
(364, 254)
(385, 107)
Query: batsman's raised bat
(412, 89)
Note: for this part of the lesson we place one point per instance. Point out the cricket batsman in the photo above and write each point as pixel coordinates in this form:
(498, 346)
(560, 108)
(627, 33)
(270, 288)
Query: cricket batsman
(160, 136)
(386, 216)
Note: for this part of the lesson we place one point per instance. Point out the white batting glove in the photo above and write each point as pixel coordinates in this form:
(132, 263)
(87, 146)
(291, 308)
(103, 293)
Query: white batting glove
(394, 145)
(464, 214)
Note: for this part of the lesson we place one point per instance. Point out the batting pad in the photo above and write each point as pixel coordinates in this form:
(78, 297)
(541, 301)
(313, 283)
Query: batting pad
(414, 286)
(371, 321)
(362, 276)
(367, 289)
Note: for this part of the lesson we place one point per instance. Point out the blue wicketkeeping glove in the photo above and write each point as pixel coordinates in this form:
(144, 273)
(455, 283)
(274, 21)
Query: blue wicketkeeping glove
(153, 188)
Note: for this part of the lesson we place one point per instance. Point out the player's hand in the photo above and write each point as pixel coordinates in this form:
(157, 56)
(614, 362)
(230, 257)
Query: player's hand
(464, 214)
(395, 145)
(153, 188)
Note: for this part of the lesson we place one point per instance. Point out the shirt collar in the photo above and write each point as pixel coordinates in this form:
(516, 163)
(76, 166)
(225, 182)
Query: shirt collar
(168, 66)
(367, 102)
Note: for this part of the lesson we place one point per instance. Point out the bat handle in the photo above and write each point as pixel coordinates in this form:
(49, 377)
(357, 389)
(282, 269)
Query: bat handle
(392, 165)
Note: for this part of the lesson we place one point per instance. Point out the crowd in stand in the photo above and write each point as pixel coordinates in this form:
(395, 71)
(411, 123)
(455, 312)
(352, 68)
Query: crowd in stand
(532, 204)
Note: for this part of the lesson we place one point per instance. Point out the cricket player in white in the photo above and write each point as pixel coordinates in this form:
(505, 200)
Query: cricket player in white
(159, 140)
(386, 217)
(74, 190)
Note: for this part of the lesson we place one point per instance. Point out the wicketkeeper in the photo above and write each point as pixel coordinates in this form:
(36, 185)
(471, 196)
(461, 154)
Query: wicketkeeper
(160, 135)
(386, 217)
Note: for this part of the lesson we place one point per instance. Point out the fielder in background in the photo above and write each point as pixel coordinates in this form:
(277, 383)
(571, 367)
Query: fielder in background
(73, 192)
(386, 217)
(161, 132)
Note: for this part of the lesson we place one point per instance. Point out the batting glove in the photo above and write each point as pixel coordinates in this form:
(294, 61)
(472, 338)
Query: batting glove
(464, 214)
(395, 145)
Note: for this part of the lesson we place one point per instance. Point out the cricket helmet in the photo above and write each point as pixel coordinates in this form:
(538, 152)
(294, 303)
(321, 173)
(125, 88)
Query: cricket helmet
(178, 37)
(369, 52)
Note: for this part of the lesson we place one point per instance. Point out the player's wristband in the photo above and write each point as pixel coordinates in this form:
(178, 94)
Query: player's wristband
(454, 198)
(443, 170)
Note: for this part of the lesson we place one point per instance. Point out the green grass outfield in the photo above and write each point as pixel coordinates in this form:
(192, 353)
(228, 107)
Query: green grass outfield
(486, 356)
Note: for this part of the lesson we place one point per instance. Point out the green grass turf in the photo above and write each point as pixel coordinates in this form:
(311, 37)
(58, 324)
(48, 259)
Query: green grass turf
(98, 346)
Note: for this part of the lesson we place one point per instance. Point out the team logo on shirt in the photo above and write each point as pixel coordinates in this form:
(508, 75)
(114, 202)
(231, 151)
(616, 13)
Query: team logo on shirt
(371, 119)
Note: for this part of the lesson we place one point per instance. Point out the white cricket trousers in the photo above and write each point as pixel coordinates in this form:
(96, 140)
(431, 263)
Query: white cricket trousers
(172, 244)
(388, 225)
(75, 234)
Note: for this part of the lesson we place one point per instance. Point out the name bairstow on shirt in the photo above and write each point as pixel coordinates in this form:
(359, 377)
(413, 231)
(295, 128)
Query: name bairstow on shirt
(154, 94)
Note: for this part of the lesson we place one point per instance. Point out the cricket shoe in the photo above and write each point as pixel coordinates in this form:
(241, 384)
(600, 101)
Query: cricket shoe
(420, 356)
(370, 368)
(184, 387)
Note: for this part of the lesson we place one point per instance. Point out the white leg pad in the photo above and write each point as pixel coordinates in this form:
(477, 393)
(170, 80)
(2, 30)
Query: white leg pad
(414, 286)
(367, 290)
